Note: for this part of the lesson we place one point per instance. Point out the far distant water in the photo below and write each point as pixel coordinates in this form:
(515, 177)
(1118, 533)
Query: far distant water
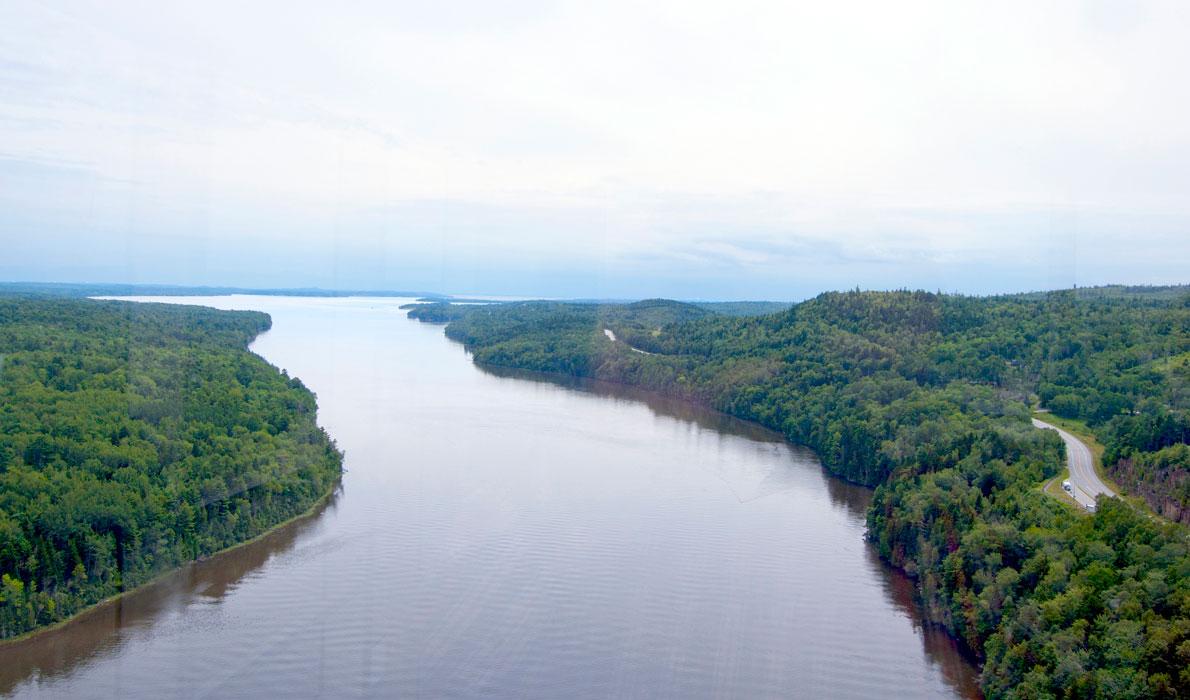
(505, 537)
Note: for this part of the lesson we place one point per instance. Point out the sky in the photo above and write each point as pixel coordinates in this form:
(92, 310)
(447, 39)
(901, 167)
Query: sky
(702, 150)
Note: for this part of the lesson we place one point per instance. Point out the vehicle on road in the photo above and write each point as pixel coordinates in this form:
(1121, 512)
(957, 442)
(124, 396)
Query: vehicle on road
(1083, 484)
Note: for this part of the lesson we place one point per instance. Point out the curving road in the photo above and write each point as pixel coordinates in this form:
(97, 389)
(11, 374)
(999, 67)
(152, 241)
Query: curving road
(1085, 483)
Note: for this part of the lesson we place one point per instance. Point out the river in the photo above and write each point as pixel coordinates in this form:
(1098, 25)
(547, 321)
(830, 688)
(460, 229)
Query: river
(498, 535)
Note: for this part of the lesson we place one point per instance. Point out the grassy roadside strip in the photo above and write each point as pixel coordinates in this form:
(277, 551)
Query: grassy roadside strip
(1053, 488)
(1080, 430)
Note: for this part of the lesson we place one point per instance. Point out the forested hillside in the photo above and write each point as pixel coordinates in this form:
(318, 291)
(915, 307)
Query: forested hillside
(134, 438)
(928, 398)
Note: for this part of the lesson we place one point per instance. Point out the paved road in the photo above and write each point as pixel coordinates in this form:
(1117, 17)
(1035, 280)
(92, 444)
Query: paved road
(1085, 482)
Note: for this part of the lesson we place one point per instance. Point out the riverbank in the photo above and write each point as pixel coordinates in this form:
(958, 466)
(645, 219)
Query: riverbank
(505, 537)
(136, 437)
(669, 401)
(917, 394)
(167, 577)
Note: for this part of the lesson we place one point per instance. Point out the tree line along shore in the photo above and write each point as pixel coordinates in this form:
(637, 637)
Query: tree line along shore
(927, 398)
(135, 438)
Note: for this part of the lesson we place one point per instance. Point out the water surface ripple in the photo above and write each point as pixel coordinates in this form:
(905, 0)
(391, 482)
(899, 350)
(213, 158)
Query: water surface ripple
(502, 536)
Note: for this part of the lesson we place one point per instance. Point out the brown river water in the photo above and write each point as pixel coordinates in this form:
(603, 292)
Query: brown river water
(506, 536)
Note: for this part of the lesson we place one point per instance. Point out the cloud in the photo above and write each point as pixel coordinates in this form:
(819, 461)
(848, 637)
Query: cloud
(692, 140)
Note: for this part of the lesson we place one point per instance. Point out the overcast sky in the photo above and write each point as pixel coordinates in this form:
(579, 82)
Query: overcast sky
(598, 149)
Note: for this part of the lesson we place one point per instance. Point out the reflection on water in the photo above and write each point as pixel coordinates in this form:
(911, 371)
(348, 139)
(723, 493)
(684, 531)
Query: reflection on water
(940, 648)
(104, 628)
(503, 536)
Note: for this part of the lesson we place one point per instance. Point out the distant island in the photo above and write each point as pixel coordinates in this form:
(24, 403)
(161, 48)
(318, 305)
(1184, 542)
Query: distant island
(928, 398)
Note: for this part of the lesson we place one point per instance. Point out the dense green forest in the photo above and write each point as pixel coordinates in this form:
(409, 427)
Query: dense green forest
(137, 437)
(927, 397)
(639, 313)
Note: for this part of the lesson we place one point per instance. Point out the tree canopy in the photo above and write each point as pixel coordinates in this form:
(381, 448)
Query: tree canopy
(927, 397)
(134, 438)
